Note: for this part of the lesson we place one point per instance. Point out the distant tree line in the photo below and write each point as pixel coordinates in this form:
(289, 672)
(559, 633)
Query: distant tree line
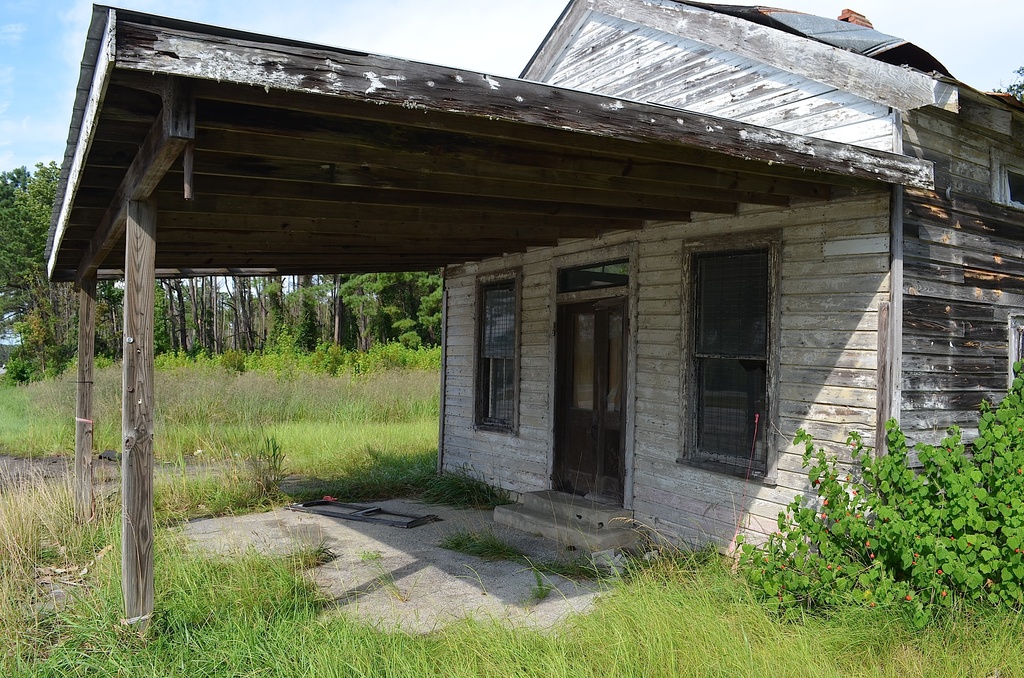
(211, 314)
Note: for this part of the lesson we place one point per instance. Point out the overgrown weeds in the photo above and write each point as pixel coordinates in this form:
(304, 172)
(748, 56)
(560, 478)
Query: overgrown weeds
(267, 466)
(484, 544)
(487, 545)
(916, 541)
(675, 613)
(205, 413)
(459, 488)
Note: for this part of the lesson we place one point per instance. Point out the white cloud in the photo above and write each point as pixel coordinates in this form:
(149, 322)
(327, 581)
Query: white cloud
(10, 34)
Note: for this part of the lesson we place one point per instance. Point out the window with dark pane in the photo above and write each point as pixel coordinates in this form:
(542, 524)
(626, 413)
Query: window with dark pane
(496, 372)
(594, 276)
(731, 355)
(1015, 186)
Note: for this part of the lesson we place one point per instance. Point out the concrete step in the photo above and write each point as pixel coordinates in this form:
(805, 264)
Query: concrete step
(576, 510)
(578, 533)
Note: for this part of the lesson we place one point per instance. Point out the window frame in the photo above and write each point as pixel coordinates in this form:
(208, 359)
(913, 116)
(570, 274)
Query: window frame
(480, 385)
(1015, 344)
(767, 471)
(1001, 166)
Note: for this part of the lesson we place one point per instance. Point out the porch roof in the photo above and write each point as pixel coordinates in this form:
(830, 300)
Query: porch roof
(304, 159)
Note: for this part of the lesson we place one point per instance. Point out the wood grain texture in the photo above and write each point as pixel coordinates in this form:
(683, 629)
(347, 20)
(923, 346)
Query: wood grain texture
(963, 272)
(427, 88)
(137, 413)
(900, 88)
(616, 57)
(827, 358)
(84, 501)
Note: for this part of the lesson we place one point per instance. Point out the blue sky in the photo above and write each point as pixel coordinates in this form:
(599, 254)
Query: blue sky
(41, 42)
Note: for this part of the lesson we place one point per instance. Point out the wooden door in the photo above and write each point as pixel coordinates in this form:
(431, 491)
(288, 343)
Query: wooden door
(590, 399)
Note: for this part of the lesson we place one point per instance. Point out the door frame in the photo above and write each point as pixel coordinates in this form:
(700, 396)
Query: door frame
(583, 257)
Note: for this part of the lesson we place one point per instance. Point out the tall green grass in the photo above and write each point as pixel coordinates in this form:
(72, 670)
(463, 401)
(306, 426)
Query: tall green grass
(257, 615)
(369, 437)
(205, 411)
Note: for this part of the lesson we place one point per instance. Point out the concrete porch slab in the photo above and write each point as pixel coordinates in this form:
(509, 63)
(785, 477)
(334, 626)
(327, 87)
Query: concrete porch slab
(401, 578)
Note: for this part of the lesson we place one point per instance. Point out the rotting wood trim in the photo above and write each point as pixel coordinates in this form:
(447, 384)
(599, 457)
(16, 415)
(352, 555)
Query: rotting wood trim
(561, 33)
(97, 91)
(173, 128)
(874, 80)
(421, 88)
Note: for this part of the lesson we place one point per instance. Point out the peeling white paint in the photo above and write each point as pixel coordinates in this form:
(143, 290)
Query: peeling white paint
(519, 98)
(613, 106)
(375, 82)
(492, 82)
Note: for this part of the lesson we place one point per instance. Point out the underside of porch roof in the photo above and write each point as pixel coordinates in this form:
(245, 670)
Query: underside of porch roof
(268, 156)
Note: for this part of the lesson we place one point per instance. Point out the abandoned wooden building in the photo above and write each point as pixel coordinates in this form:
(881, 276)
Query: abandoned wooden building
(687, 231)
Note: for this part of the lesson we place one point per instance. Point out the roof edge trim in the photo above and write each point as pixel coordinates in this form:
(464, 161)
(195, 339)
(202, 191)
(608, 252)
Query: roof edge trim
(569, 22)
(901, 88)
(96, 72)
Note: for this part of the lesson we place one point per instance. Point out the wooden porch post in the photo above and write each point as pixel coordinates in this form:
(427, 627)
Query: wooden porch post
(137, 413)
(84, 507)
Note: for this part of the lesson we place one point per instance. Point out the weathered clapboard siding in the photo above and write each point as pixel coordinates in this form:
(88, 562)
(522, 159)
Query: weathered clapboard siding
(963, 268)
(833, 276)
(615, 57)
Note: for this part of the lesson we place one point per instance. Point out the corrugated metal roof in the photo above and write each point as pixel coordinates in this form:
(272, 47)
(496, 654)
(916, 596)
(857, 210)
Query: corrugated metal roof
(844, 35)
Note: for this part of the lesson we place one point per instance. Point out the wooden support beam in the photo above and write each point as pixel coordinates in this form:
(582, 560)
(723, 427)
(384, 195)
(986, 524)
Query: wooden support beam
(173, 129)
(84, 502)
(137, 412)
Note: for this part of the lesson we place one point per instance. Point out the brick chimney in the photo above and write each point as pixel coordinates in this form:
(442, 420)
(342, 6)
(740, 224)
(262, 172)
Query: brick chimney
(857, 18)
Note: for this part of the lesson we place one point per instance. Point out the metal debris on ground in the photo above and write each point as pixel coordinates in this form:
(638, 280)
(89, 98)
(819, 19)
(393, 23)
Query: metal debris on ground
(367, 514)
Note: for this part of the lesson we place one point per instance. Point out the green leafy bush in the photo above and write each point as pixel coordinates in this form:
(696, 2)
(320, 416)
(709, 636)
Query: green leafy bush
(888, 535)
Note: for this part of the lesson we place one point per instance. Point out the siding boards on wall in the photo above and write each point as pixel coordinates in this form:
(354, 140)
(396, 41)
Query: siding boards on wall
(622, 59)
(827, 371)
(963, 273)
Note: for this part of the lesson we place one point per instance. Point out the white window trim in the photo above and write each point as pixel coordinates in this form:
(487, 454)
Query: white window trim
(1002, 164)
